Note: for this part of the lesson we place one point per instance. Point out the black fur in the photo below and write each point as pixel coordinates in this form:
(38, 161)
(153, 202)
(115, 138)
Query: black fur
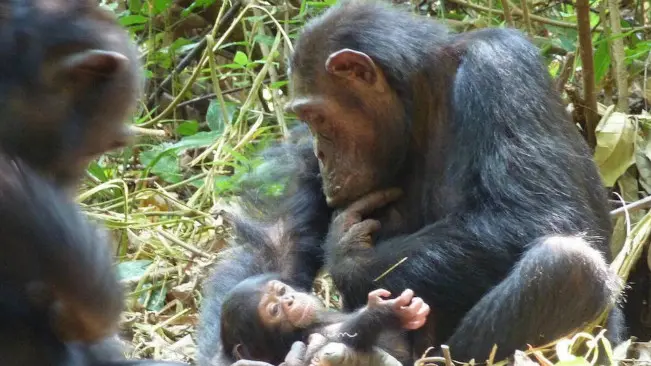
(295, 255)
(500, 188)
(45, 239)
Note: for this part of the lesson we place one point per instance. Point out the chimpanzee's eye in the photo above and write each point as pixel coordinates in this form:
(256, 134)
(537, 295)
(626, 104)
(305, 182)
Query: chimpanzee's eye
(317, 120)
(275, 310)
(281, 291)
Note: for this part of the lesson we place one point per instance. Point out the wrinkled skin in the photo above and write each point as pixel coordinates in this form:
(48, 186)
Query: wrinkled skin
(281, 304)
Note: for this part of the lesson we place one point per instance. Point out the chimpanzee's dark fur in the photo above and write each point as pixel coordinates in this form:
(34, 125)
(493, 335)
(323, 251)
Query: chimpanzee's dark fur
(296, 254)
(504, 220)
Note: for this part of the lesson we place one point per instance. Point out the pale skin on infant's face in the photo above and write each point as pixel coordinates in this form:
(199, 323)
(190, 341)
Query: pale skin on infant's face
(281, 304)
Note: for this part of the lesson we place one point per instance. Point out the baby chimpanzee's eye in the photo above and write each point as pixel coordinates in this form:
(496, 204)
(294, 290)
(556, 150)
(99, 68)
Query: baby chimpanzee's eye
(281, 291)
(275, 310)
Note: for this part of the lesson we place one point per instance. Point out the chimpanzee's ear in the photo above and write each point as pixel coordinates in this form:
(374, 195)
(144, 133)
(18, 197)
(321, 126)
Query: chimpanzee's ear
(89, 65)
(351, 64)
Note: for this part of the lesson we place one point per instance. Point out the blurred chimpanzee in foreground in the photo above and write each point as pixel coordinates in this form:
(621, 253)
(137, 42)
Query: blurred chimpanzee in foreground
(69, 79)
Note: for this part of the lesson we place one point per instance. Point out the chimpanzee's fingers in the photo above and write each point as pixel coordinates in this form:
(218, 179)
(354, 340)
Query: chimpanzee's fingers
(315, 342)
(418, 318)
(365, 227)
(416, 304)
(374, 200)
(296, 355)
(415, 324)
(379, 293)
(404, 299)
(375, 296)
(424, 310)
(255, 363)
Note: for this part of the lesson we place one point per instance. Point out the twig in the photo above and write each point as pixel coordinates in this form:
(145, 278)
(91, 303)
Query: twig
(566, 71)
(617, 54)
(273, 75)
(192, 55)
(525, 15)
(540, 19)
(589, 93)
(446, 354)
(507, 13)
(183, 245)
(225, 92)
(147, 131)
(643, 203)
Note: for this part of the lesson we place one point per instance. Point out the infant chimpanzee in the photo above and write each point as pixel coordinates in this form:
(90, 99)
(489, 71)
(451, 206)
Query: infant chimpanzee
(262, 316)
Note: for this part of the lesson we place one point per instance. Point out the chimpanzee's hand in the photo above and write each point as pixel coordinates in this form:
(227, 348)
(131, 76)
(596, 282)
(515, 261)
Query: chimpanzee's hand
(300, 353)
(412, 316)
(250, 363)
(349, 230)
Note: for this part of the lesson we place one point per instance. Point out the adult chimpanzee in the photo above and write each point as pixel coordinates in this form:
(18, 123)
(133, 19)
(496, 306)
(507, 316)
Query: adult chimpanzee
(503, 219)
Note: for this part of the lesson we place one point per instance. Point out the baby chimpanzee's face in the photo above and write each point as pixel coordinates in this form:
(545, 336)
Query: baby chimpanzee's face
(282, 306)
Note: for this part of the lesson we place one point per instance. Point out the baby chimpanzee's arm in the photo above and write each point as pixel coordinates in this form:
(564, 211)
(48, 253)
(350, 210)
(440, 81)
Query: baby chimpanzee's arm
(362, 329)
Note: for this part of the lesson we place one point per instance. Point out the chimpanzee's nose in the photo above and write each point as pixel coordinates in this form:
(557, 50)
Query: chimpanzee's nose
(288, 300)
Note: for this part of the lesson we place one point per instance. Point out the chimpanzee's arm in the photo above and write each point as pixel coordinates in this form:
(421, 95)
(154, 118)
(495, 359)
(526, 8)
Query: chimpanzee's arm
(475, 283)
(438, 258)
(363, 328)
(301, 209)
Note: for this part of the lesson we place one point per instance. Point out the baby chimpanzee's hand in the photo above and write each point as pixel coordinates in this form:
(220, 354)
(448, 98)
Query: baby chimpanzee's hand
(412, 316)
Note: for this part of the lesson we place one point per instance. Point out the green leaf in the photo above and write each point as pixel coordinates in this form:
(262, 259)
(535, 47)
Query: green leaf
(278, 84)
(215, 115)
(161, 5)
(132, 269)
(156, 297)
(163, 162)
(188, 128)
(264, 39)
(97, 171)
(135, 6)
(241, 58)
(133, 19)
(601, 62)
(198, 140)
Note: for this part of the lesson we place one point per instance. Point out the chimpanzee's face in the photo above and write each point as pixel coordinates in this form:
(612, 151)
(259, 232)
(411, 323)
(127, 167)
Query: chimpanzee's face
(357, 122)
(282, 306)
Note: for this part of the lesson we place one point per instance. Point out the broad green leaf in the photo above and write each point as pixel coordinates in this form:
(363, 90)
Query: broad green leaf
(135, 6)
(188, 128)
(157, 299)
(132, 269)
(241, 58)
(163, 162)
(153, 299)
(133, 19)
(264, 39)
(161, 5)
(215, 115)
(601, 62)
(615, 150)
(198, 140)
(97, 171)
